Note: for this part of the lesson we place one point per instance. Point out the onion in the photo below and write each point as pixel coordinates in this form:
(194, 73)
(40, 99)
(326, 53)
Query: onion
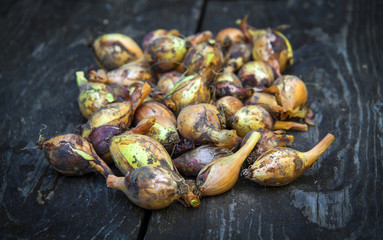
(249, 118)
(205, 58)
(267, 141)
(149, 37)
(265, 100)
(114, 50)
(229, 36)
(165, 53)
(280, 166)
(190, 163)
(148, 109)
(292, 95)
(150, 187)
(228, 105)
(72, 155)
(199, 38)
(92, 96)
(167, 81)
(203, 123)
(190, 90)
(256, 74)
(131, 151)
(238, 54)
(221, 174)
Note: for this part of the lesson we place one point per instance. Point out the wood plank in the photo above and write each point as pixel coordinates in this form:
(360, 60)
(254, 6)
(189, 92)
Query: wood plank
(337, 53)
(43, 44)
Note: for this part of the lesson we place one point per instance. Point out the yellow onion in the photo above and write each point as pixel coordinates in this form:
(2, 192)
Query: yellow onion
(150, 187)
(149, 37)
(249, 118)
(114, 50)
(190, 90)
(292, 96)
(167, 81)
(256, 74)
(265, 100)
(229, 75)
(198, 38)
(205, 58)
(118, 114)
(92, 96)
(229, 36)
(190, 163)
(221, 174)
(125, 75)
(269, 46)
(267, 141)
(165, 53)
(238, 54)
(203, 123)
(280, 166)
(148, 109)
(72, 155)
(228, 105)
(164, 131)
(131, 151)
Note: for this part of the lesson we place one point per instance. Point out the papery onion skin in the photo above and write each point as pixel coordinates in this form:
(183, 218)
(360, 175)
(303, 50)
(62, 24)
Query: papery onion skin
(131, 73)
(114, 50)
(150, 187)
(190, 163)
(131, 151)
(249, 118)
(192, 90)
(292, 92)
(152, 108)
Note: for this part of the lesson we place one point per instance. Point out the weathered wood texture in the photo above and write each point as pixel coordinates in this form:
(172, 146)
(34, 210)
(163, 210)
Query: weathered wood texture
(337, 53)
(43, 44)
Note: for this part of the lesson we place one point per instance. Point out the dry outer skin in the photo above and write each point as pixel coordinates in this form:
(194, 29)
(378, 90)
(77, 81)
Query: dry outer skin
(114, 50)
(165, 53)
(131, 151)
(129, 74)
(195, 121)
(251, 117)
(276, 167)
(154, 187)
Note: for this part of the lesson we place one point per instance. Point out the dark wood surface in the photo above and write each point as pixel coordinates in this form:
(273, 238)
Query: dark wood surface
(338, 53)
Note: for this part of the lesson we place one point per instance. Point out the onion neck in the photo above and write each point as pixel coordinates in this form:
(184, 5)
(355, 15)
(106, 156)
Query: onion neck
(144, 128)
(241, 155)
(139, 95)
(312, 155)
(115, 182)
(287, 125)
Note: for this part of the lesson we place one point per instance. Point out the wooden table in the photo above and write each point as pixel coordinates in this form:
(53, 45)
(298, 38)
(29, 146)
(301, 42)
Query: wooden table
(338, 53)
